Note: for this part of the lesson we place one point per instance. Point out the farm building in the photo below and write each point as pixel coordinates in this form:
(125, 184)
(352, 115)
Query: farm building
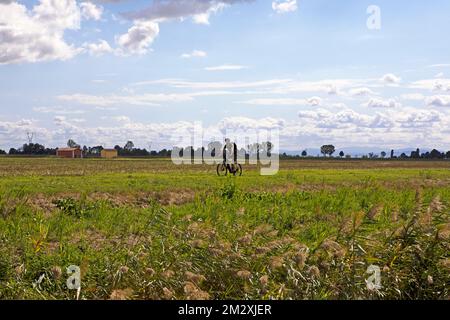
(69, 153)
(109, 153)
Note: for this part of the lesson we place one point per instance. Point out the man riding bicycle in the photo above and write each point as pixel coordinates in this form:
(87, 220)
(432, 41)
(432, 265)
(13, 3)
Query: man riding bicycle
(230, 155)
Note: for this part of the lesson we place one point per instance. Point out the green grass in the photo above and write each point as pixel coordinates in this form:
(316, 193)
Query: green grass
(146, 229)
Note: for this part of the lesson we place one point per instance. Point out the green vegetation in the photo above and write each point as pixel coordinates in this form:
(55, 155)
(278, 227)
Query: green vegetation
(147, 229)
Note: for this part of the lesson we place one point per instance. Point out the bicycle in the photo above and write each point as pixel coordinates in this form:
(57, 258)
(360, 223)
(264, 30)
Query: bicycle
(223, 169)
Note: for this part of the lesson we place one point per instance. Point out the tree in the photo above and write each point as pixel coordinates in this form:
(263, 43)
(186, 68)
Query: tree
(415, 154)
(341, 154)
(435, 154)
(72, 144)
(327, 149)
(304, 153)
(383, 154)
(392, 153)
(129, 146)
(33, 148)
(2, 151)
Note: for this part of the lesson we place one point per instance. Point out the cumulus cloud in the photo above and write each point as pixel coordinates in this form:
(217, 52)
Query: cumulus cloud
(362, 91)
(346, 118)
(138, 38)
(245, 123)
(440, 84)
(390, 78)
(37, 34)
(439, 101)
(194, 54)
(99, 48)
(379, 103)
(284, 6)
(90, 11)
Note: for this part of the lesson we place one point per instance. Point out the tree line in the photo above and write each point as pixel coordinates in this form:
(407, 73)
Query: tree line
(329, 150)
(129, 150)
(88, 151)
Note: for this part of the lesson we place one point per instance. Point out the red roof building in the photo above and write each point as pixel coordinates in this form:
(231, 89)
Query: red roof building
(69, 153)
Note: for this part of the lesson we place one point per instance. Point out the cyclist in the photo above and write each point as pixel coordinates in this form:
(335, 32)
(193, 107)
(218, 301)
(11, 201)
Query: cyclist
(230, 155)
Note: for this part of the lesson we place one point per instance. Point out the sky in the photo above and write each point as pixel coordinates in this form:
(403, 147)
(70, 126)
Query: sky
(356, 74)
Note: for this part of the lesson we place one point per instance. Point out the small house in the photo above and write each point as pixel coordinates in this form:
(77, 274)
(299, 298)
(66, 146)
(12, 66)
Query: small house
(69, 153)
(109, 153)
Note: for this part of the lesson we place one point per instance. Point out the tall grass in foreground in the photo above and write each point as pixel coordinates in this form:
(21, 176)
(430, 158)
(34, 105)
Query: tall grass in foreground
(232, 243)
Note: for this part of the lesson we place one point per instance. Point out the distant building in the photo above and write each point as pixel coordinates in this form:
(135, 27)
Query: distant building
(109, 153)
(69, 153)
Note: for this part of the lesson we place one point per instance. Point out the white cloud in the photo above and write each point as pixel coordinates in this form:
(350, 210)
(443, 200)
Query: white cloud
(226, 67)
(99, 48)
(439, 65)
(203, 18)
(390, 78)
(216, 85)
(194, 54)
(57, 110)
(439, 101)
(362, 91)
(379, 103)
(245, 124)
(138, 38)
(113, 99)
(91, 11)
(313, 101)
(37, 34)
(284, 6)
(432, 84)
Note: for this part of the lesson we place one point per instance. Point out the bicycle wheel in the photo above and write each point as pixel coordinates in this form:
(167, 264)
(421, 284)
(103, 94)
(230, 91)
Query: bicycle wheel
(221, 170)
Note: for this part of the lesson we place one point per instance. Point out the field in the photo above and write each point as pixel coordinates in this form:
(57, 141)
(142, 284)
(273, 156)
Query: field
(147, 229)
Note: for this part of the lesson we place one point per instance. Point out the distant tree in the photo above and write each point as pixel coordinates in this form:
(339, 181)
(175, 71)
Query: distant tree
(403, 156)
(435, 154)
(415, 154)
(304, 153)
(383, 154)
(72, 144)
(371, 155)
(96, 150)
(32, 148)
(129, 146)
(447, 155)
(348, 156)
(341, 154)
(12, 151)
(2, 151)
(328, 149)
(392, 153)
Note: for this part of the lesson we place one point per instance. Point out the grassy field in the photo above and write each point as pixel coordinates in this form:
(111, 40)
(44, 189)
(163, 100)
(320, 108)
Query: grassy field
(147, 229)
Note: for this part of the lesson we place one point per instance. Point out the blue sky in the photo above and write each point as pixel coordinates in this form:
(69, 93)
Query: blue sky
(105, 72)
